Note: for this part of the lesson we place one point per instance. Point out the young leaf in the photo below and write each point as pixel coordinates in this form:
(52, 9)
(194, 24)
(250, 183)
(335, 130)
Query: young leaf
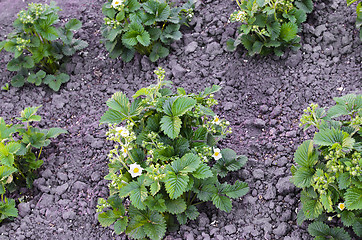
(202, 172)
(303, 177)
(288, 31)
(191, 212)
(107, 218)
(120, 225)
(328, 137)
(55, 132)
(306, 156)
(188, 163)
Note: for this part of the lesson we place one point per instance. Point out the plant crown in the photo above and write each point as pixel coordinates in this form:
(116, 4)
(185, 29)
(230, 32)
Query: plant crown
(329, 167)
(145, 26)
(17, 158)
(269, 26)
(41, 49)
(359, 15)
(159, 167)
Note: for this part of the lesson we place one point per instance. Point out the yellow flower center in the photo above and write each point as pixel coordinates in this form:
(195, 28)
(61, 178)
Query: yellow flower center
(341, 206)
(216, 119)
(216, 154)
(136, 170)
(125, 150)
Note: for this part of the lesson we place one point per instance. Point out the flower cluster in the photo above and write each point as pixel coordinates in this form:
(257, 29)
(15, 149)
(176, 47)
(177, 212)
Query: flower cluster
(112, 22)
(21, 43)
(238, 16)
(33, 13)
(218, 125)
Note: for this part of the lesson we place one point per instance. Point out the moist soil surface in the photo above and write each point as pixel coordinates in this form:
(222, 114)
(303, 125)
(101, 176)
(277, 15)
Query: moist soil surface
(262, 97)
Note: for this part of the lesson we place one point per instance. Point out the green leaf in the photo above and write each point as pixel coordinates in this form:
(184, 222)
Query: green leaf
(155, 227)
(274, 30)
(288, 31)
(127, 54)
(171, 126)
(163, 12)
(144, 39)
(328, 137)
(306, 156)
(176, 206)
(55, 132)
(29, 114)
(156, 203)
(206, 192)
(14, 65)
(357, 227)
(237, 190)
(181, 105)
(13, 147)
(344, 180)
(188, 163)
(318, 229)
(222, 202)
(138, 196)
(230, 45)
(155, 33)
(348, 218)
(130, 38)
(107, 218)
(305, 5)
(126, 190)
(353, 199)
(133, 5)
(73, 24)
(202, 172)
(303, 177)
(326, 201)
(312, 208)
(192, 212)
(5, 131)
(176, 184)
(155, 187)
(158, 51)
(120, 225)
(6, 158)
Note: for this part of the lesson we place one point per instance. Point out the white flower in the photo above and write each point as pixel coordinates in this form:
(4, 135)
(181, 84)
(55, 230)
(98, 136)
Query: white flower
(135, 170)
(341, 206)
(116, 3)
(125, 150)
(217, 155)
(216, 120)
(122, 131)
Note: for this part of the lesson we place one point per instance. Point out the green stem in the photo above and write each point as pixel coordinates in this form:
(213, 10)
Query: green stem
(124, 165)
(40, 152)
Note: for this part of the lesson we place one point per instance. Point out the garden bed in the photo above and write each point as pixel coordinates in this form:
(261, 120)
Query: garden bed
(262, 97)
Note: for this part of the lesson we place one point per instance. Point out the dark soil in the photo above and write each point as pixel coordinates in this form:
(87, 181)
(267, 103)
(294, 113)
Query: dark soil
(262, 97)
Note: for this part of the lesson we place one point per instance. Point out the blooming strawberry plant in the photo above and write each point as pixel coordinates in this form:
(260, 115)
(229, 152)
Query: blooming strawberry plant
(17, 157)
(269, 26)
(165, 160)
(329, 167)
(145, 26)
(359, 15)
(39, 48)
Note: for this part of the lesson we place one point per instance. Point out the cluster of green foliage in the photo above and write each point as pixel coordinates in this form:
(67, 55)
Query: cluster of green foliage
(17, 158)
(145, 26)
(159, 166)
(269, 26)
(359, 15)
(39, 48)
(329, 167)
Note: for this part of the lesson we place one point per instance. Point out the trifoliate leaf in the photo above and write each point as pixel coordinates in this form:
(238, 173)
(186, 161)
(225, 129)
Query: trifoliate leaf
(127, 54)
(156, 203)
(15, 65)
(206, 192)
(29, 114)
(130, 38)
(119, 102)
(133, 5)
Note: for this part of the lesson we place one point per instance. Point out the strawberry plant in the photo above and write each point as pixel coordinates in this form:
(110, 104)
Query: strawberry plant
(269, 26)
(329, 167)
(40, 49)
(359, 15)
(143, 26)
(165, 160)
(18, 160)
